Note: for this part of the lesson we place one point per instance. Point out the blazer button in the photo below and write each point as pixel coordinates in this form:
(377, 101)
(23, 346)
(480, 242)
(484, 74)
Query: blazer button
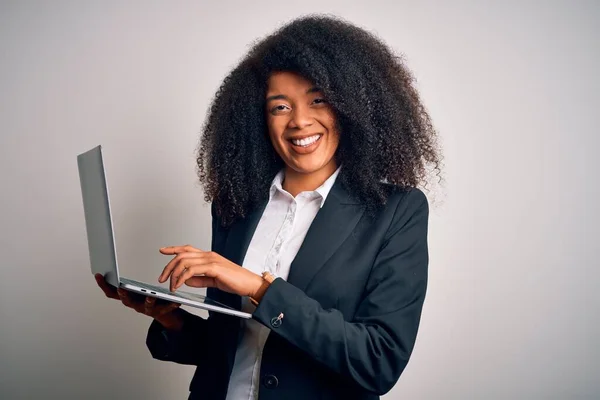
(270, 381)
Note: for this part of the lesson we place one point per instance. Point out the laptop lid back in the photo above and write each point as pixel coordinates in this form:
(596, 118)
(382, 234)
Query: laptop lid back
(98, 220)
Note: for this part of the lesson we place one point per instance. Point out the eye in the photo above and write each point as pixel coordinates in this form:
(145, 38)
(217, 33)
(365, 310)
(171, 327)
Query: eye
(278, 109)
(319, 100)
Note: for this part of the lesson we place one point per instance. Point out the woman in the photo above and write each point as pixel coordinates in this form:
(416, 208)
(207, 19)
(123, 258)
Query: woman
(311, 156)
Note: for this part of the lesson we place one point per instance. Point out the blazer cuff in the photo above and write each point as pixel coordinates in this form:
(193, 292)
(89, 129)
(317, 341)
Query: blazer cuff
(271, 310)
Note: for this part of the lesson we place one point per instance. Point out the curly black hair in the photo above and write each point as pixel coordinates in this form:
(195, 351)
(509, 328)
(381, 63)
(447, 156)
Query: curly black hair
(386, 134)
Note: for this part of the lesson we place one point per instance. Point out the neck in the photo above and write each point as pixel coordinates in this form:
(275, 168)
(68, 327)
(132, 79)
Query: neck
(295, 182)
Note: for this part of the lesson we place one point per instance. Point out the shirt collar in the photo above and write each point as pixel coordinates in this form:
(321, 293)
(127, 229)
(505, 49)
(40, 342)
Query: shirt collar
(322, 190)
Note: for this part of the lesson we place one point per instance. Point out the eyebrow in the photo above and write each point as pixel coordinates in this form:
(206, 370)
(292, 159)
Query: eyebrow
(283, 96)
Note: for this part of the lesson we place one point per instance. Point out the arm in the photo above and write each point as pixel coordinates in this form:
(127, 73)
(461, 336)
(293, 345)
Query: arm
(374, 348)
(183, 345)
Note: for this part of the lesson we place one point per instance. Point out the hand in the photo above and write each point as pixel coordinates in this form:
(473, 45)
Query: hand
(158, 309)
(199, 268)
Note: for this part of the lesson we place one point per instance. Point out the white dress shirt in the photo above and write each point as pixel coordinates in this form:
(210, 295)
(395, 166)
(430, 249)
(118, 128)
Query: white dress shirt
(274, 245)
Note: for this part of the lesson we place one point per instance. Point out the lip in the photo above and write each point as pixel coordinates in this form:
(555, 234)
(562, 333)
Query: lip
(305, 150)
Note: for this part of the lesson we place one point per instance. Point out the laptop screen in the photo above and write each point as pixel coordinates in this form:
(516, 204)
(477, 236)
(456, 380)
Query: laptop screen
(98, 221)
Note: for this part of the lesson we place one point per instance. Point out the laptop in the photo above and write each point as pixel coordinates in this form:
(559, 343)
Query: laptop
(101, 241)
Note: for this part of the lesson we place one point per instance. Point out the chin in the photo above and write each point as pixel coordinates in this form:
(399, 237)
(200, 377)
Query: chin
(306, 167)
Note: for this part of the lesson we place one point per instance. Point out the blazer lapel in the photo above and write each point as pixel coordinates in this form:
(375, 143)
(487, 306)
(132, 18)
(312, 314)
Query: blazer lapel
(332, 225)
(236, 246)
(240, 235)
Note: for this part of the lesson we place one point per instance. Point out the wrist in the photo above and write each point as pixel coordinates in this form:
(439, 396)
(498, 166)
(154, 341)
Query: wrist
(171, 321)
(263, 284)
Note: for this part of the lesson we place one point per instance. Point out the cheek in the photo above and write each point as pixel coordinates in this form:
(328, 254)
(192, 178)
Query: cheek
(275, 140)
(334, 142)
(328, 120)
(334, 135)
(275, 127)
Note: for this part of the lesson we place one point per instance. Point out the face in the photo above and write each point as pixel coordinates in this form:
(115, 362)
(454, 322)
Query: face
(301, 124)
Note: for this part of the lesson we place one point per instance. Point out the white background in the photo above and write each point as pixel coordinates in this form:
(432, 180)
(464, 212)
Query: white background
(512, 87)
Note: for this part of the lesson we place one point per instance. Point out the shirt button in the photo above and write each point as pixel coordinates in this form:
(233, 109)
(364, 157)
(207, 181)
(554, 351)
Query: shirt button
(270, 381)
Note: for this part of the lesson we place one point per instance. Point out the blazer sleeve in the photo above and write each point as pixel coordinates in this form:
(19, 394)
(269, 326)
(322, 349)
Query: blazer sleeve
(374, 347)
(186, 346)
(182, 347)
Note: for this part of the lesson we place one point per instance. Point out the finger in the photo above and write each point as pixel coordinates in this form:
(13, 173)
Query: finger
(137, 298)
(108, 289)
(199, 268)
(201, 282)
(165, 309)
(174, 263)
(128, 300)
(169, 268)
(178, 249)
(124, 296)
(149, 304)
(180, 270)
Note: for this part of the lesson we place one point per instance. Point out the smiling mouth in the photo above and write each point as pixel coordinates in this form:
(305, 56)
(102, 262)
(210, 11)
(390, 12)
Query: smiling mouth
(306, 142)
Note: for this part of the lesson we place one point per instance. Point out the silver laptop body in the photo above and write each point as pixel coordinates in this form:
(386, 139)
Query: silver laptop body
(101, 243)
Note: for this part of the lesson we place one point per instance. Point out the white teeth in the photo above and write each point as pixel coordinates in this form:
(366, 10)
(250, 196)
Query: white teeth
(306, 141)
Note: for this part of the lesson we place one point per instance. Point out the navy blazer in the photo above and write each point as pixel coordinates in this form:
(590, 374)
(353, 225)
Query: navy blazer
(352, 304)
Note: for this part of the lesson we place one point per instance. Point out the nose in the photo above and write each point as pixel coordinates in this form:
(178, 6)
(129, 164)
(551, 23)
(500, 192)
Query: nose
(301, 117)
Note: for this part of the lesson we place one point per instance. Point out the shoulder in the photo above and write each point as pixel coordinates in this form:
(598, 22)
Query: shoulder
(406, 206)
(408, 198)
